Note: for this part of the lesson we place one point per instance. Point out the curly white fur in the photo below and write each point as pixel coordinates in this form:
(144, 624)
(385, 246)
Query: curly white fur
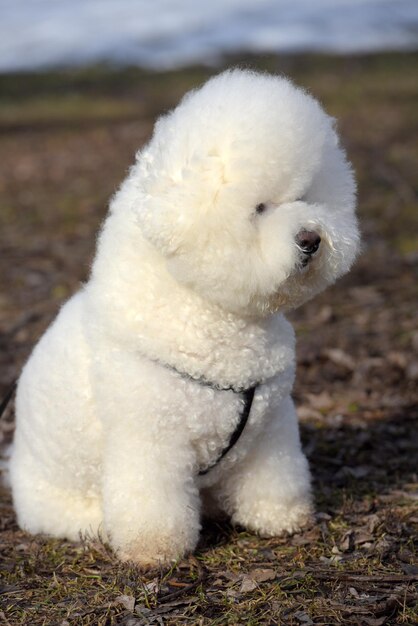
(188, 274)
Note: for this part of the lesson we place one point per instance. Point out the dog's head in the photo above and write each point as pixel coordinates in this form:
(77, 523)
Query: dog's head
(246, 192)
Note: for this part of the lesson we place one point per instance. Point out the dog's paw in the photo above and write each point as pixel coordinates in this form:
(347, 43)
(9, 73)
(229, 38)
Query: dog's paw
(159, 550)
(147, 557)
(272, 519)
(146, 561)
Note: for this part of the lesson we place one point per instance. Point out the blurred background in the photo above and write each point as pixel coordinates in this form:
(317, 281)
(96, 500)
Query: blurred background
(173, 33)
(81, 84)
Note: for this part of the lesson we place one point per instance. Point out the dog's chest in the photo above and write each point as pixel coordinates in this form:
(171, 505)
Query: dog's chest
(203, 418)
(212, 418)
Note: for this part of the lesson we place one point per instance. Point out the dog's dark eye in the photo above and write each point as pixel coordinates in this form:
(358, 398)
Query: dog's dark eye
(260, 208)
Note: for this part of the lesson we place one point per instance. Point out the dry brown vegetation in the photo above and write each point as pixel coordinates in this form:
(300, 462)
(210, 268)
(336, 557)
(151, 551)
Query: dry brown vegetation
(66, 142)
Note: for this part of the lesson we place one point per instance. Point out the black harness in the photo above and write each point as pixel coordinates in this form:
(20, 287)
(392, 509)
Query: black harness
(248, 397)
(7, 397)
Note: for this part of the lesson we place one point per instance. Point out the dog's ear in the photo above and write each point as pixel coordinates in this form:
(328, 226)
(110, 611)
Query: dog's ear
(160, 224)
(171, 202)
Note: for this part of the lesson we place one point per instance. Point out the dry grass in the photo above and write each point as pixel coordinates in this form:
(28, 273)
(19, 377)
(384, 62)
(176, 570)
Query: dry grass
(67, 139)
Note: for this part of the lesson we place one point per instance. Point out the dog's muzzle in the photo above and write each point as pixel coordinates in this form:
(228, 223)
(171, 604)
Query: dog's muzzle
(308, 242)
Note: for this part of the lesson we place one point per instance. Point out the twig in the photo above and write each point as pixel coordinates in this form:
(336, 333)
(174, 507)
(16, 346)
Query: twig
(179, 592)
(390, 578)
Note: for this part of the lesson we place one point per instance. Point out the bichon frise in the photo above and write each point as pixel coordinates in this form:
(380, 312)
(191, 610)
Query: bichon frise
(165, 382)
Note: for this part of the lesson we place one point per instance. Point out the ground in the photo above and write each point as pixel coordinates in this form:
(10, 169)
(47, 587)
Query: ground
(67, 140)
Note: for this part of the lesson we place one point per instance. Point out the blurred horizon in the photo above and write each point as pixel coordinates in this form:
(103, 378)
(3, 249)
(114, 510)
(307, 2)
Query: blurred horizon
(170, 34)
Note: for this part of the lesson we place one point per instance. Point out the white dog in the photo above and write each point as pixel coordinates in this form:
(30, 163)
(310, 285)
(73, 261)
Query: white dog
(240, 207)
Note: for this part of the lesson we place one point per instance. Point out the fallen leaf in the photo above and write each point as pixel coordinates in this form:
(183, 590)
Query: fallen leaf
(356, 472)
(127, 601)
(321, 401)
(303, 618)
(248, 584)
(339, 357)
(323, 316)
(373, 522)
(232, 576)
(152, 586)
(409, 568)
(362, 536)
(260, 575)
(347, 544)
(322, 516)
(375, 621)
(306, 413)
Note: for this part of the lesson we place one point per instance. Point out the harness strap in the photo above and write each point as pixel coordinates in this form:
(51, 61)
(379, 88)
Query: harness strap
(248, 401)
(248, 396)
(7, 398)
(204, 381)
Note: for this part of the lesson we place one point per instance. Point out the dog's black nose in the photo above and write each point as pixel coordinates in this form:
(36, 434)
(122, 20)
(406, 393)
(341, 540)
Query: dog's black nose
(308, 241)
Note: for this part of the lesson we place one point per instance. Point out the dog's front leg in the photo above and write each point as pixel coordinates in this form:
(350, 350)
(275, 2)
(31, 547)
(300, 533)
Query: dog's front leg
(269, 490)
(151, 504)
